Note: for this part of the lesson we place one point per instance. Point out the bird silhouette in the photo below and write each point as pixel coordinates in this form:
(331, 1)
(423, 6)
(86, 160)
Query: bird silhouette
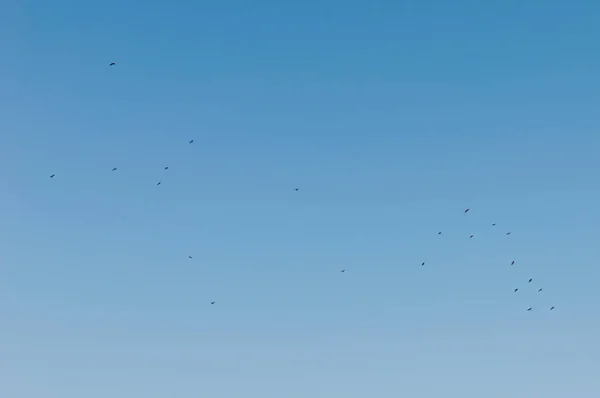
(439, 233)
(212, 302)
(494, 224)
(513, 262)
(470, 236)
(530, 280)
(529, 309)
(516, 290)
(343, 270)
(157, 184)
(551, 308)
(52, 176)
(466, 211)
(423, 263)
(114, 169)
(166, 167)
(190, 257)
(296, 189)
(508, 233)
(112, 64)
(539, 290)
(191, 141)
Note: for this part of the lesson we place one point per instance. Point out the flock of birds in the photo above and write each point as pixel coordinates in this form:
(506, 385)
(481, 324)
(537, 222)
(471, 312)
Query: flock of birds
(343, 270)
(512, 263)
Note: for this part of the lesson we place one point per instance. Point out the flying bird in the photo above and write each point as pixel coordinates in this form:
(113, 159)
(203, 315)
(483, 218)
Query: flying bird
(191, 141)
(494, 224)
(466, 211)
(52, 176)
(423, 263)
(115, 169)
(158, 183)
(166, 167)
(516, 290)
(439, 233)
(530, 281)
(513, 262)
(529, 309)
(551, 308)
(470, 236)
(112, 64)
(212, 302)
(508, 233)
(296, 189)
(189, 256)
(539, 290)
(343, 270)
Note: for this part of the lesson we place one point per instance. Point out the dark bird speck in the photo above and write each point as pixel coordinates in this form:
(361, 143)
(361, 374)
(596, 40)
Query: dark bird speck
(530, 281)
(112, 64)
(466, 211)
(529, 309)
(52, 176)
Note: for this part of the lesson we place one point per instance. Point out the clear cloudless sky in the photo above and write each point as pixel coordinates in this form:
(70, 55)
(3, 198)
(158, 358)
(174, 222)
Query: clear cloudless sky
(391, 117)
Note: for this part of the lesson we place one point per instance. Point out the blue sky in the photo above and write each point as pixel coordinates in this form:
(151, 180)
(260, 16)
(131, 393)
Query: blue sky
(390, 117)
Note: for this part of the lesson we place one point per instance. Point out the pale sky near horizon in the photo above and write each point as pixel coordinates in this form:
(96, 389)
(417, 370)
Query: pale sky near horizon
(390, 117)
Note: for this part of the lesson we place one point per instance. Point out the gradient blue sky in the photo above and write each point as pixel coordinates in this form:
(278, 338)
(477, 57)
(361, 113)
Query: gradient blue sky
(391, 118)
